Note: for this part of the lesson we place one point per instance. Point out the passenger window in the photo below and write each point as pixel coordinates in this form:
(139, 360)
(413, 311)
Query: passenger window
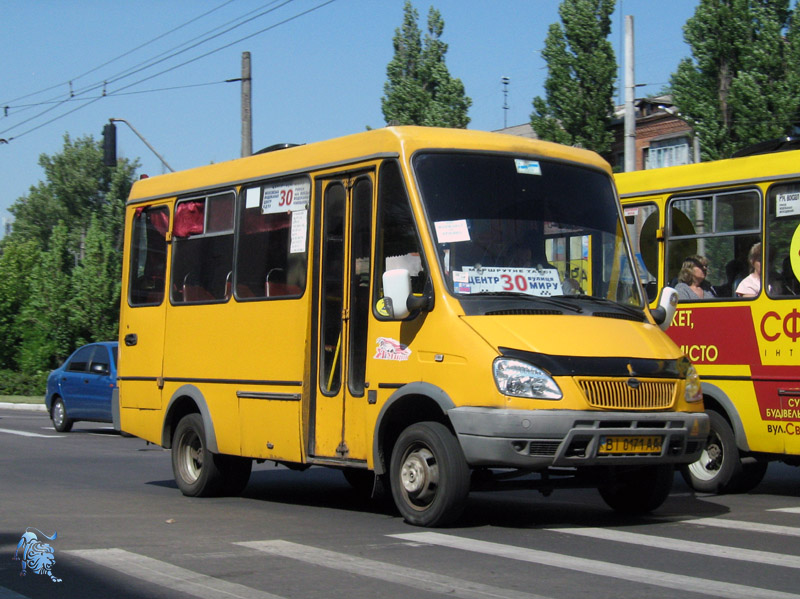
(642, 223)
(713, 233)
(80, 361)
(397, 242)
(271, 259)
(100, 364)
(782, 268)
(202, 254)
(148, 256)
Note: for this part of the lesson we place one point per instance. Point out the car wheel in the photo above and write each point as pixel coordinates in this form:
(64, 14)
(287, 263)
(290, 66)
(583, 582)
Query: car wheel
(58, 414)
(719, 466)
(195, 469)
(429, 475)
(638, 490)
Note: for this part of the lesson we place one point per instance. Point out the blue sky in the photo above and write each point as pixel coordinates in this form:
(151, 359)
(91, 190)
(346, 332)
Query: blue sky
(315, 75)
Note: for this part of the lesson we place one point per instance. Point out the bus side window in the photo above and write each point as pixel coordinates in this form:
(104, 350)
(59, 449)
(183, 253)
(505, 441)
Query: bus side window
(783, 227)
(148, 256)
(202, 254)
(397, 243)
(272, 252)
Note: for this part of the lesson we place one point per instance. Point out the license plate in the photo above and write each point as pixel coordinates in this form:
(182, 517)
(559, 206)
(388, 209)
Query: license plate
(642, 444)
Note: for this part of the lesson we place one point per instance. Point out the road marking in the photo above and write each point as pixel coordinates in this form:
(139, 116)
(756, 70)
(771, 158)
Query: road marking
(706, 549)
(788, 531)
(27, 434)
(630, 573)
(786, 510)
(169, 576)
(9, 594)
(410, 577)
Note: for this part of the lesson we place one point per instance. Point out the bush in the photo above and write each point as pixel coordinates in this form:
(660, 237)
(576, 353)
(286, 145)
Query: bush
(22, 383)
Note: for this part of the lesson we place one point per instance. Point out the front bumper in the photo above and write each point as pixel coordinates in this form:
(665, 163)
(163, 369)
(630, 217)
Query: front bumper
(539, 439)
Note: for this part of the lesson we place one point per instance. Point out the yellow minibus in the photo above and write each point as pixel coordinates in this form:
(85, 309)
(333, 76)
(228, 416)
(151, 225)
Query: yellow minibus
(427, 310)
(728, 233)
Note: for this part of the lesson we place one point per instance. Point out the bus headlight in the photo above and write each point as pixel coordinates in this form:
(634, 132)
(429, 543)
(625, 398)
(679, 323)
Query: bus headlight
(520, 379)
(693, 391)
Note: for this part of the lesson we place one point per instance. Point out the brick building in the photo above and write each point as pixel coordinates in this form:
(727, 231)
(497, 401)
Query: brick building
(662, 137)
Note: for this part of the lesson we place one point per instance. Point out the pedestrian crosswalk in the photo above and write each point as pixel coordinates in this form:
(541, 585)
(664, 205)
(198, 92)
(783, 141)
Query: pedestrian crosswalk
(469, 546)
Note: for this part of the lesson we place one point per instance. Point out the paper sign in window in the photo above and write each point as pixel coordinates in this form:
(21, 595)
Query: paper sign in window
(450, 231)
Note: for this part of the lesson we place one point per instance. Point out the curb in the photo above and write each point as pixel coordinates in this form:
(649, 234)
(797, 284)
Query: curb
(30, 407)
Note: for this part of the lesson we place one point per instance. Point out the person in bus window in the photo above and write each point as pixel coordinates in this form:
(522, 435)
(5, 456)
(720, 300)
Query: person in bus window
(692, 282)
(751, 284)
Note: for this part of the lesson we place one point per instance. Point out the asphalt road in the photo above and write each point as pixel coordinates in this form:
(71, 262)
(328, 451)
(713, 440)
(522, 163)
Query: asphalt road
(124, 531)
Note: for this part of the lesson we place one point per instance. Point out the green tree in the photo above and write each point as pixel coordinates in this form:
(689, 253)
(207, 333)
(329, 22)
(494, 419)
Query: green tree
(741, 84)
(60, 265)
(581, 68)
(419, 89)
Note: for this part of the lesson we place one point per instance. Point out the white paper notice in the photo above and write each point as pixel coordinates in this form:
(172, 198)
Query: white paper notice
(253, 197)
(787, 204)
(299, 231)
(449, 231)
(286, 196)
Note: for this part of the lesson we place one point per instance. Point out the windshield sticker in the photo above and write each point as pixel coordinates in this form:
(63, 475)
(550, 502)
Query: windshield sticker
(451, 231)
(787, 204)
(299, 230)
(389, 349)
(528, 167)
(531, 281)
(286, 196)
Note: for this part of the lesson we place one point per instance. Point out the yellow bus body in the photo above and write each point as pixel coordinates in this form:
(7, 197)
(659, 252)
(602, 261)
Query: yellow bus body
(309, 376)
(745, 348)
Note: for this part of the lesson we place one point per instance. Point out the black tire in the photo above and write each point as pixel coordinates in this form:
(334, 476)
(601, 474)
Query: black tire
(638, 490)
(750, 477)
(58, 414)
(235, 473)
(429, 476)
(719, 466)
(194, 466)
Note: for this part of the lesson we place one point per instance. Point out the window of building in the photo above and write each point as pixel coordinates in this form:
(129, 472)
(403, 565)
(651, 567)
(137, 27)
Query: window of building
(667, 152)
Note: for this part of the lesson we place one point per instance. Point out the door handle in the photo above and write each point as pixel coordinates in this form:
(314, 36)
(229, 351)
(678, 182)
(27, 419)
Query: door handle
(131, 339)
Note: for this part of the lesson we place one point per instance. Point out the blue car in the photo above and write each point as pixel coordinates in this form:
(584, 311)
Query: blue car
(81, 388)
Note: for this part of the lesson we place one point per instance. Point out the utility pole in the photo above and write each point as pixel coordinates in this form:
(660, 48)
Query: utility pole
(630, 87)
(506, 80)
(247, 111)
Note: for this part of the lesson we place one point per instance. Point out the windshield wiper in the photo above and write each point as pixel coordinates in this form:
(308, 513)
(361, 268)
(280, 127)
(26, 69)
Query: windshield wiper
(554, 301)
(633, 310)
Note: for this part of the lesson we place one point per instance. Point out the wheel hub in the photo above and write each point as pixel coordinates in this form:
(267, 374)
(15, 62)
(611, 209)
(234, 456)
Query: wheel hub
(419, 474)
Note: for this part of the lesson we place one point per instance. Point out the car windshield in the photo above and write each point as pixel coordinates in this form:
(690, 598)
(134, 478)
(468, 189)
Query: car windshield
(506, 225)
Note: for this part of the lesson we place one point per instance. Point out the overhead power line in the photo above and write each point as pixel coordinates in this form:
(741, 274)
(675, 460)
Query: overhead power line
(119, 91)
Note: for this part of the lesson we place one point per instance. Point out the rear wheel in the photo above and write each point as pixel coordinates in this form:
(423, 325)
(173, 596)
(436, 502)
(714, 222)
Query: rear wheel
(193, 465)
(639, 490)
(429, 475)
(58, 414)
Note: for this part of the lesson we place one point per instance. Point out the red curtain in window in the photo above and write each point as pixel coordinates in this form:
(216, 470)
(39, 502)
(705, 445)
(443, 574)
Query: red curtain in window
(189, 218)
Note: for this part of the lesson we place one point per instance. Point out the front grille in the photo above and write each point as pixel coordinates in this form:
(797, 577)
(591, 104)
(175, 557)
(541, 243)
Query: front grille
(617, 394)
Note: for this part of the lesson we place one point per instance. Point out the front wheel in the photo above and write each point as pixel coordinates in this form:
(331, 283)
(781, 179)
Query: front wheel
(719, 466)
(58, 414)
(638, 490)
(429, 475)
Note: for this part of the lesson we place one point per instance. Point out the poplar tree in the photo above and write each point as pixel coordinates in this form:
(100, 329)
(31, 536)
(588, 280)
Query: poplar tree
(581, 69)
(419, 89)
(741, 84)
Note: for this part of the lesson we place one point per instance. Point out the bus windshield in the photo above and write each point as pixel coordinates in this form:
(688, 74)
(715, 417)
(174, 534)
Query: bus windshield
(505, 225)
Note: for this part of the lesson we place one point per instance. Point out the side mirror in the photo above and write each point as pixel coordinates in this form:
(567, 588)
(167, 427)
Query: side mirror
(396, 291)
(398, 300)
(667, 304)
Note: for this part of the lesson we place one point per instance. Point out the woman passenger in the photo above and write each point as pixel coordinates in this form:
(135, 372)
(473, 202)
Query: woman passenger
(692, 283)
